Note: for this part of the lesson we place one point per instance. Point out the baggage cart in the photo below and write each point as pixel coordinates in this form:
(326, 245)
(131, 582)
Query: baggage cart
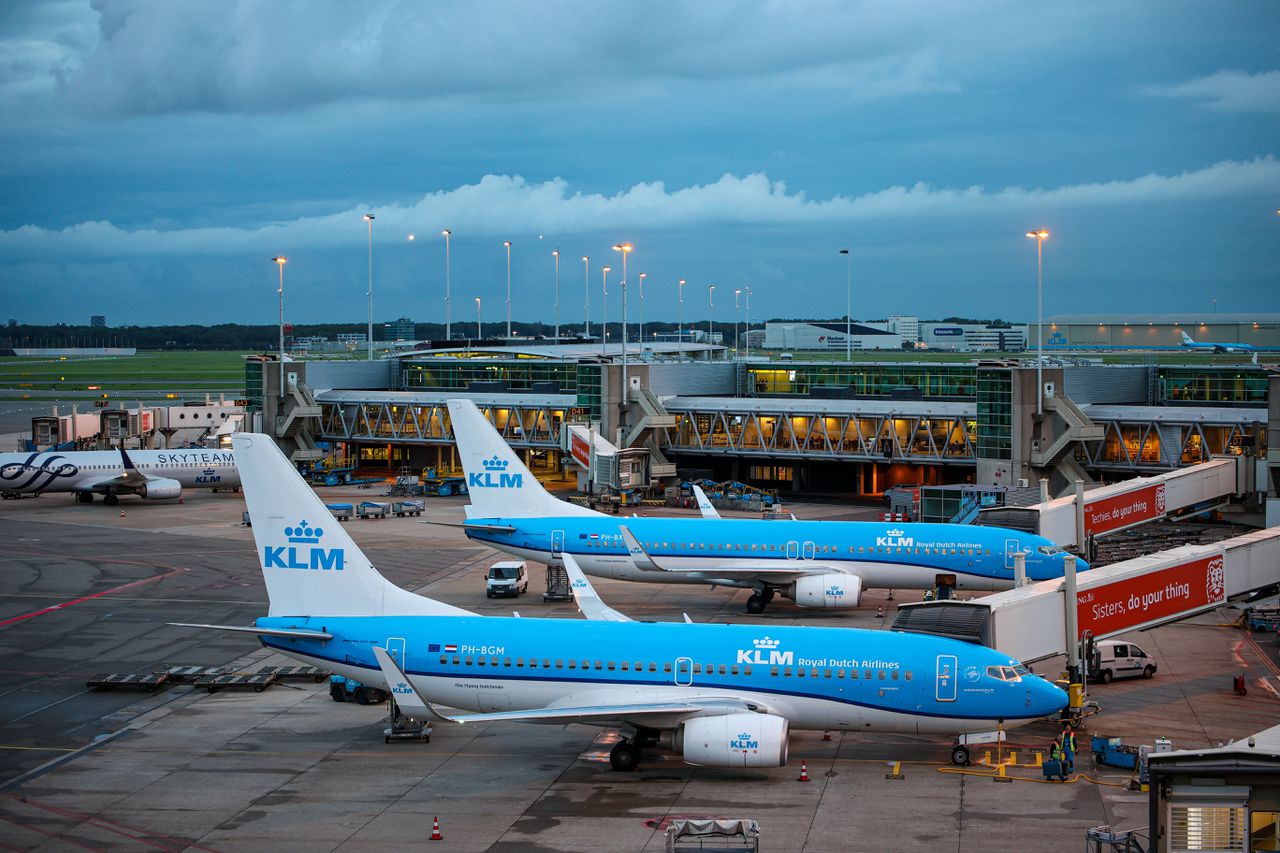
(403, 509)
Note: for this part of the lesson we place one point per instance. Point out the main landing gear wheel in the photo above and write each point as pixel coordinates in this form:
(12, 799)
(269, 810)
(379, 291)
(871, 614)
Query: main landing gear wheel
(84, 497)
(756, 603)
(960, 755)
(624, 757)
(110, 500)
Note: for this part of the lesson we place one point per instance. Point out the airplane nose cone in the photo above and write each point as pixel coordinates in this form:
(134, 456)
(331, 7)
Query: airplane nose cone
(1049, 698)
(1081, 565)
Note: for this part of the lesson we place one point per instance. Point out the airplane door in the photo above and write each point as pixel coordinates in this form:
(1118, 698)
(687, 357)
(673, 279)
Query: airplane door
(557, 543)
(684, 672)
(793, 550)
(1010, 548)
(809, 550)
(945, 686)
(396, 648)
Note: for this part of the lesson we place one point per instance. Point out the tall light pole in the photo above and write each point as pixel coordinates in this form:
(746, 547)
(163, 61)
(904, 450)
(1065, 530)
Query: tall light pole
(280, 262)
(680, 319)
(479, 328)
(368, 217)
(586, 295)
(626, 388)
(748, 321)
(711, 301)
(604, 324)
(556, 255)
(448, 296)
(848, 306)
(1039, 235)
(507, 243)
(643, 276)
(625, 249)
(737, 306)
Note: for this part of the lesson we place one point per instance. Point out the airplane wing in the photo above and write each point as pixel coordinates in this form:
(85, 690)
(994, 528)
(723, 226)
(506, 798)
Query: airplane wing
(584, 594)
(472, 525)
(415, 705)
(704, 505)
(131, 479)
(299, 634)
(645, 562)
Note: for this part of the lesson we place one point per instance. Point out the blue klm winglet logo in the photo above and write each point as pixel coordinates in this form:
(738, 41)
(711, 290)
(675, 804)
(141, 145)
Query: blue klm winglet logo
(294, 557)
(402, 689)
(494, 475)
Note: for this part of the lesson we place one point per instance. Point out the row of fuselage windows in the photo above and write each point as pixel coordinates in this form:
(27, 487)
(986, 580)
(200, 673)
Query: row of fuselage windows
(758, 548)
(150, 465)
(668, 667)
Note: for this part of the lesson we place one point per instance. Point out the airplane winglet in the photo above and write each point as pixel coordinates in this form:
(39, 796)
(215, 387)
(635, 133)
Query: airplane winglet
(402, 690)
(639, 555)
(586, 597)
(704, 505)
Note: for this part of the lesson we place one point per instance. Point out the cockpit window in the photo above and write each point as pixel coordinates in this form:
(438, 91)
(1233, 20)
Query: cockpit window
(1049, 550)
(1004, 673)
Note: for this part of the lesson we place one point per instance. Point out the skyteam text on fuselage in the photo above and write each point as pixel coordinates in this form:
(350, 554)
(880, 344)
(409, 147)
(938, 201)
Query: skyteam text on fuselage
(719, 695)
(823, 564)
(149, 474)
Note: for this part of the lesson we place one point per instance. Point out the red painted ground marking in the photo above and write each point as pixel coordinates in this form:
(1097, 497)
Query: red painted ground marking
(48, 834)
(142, 835)
(33, 614)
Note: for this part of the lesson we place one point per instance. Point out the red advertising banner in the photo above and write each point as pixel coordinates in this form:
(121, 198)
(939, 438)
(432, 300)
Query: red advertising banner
(1124, 510)
(1129, 603)
(580, 449)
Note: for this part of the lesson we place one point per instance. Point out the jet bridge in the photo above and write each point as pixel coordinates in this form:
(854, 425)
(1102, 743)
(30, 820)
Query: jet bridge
(1030, 623)
(1071, 519)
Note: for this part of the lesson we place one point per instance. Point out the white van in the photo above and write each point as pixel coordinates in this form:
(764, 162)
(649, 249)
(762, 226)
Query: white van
(510, 577)
(1120, 659)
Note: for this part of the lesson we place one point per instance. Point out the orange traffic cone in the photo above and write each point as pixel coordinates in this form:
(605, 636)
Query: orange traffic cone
(122, 513)
(804, 772)
(435, 830)
(880, 612)
(826, 735)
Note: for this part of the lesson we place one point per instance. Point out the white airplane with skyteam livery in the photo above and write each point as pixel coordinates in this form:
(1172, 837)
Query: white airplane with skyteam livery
(718, 695)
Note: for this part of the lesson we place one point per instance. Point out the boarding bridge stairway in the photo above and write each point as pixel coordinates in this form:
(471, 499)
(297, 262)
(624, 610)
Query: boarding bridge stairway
(296, 425)
(653, 417)
(1070, 426)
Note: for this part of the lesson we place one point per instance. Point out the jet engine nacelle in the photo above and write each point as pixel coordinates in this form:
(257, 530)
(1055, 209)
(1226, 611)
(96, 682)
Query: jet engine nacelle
(832, 591)
(734, 740)
(159, 489)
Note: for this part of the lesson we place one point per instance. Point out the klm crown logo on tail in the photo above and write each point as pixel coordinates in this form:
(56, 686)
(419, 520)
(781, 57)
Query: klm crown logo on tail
(494, 475)
(294, 557)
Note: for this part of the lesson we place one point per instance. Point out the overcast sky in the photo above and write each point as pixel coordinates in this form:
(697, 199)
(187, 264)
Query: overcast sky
(154, 156)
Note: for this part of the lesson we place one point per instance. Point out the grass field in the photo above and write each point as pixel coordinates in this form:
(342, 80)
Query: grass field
(182, 373)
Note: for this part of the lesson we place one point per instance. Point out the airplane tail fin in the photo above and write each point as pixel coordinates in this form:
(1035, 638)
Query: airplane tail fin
(498, 483)
(1186, 339)
(310, 564)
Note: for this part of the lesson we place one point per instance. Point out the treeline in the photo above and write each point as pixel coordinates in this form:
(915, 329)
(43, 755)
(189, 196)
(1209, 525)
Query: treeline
(236, 336)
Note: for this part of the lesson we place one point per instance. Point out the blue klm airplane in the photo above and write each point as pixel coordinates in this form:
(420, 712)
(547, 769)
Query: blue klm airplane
(719, 695)
(821, 564)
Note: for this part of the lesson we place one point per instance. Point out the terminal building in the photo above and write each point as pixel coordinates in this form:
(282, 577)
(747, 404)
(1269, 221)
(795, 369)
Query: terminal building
(898, 332)
(853, 429)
